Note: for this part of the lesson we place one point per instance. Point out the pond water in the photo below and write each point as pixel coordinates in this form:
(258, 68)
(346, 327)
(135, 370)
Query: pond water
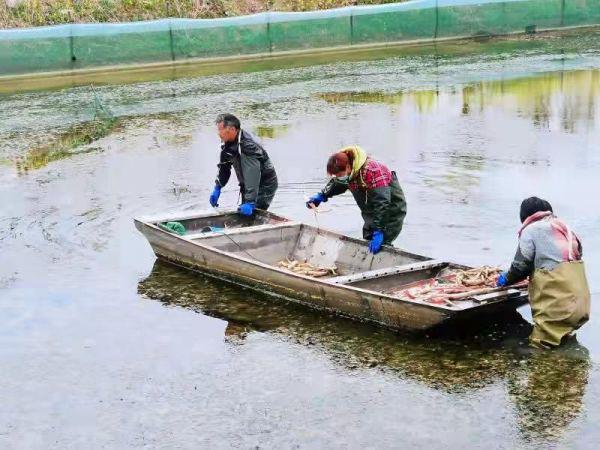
(101, 346)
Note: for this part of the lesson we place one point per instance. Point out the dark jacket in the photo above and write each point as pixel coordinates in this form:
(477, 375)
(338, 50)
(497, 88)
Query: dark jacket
(253, 168)
(382, 208)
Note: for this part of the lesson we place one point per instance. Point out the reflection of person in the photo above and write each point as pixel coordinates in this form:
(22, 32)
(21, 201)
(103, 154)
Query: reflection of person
(548, 392)
(550, 254)
(375, 189)
(253, 168)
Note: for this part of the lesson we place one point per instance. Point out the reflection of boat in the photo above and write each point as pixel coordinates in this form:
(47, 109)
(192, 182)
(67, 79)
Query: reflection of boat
(247, 251)
(458, 360)
(440, 363)
(545, 389)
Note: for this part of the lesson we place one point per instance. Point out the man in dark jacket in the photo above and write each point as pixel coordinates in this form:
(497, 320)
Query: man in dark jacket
(375, 189)
(253, 168)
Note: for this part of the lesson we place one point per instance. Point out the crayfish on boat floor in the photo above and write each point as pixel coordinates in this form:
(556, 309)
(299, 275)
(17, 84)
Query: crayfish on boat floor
(458, 285)
(306, 268)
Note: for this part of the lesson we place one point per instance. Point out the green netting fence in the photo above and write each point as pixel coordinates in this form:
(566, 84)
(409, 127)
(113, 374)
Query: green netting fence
(79, 46)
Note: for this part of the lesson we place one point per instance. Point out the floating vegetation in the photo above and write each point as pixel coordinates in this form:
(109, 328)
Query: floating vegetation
(178, 140)
(363, 97)
(271, 131)
(65, 144)
(424, 100)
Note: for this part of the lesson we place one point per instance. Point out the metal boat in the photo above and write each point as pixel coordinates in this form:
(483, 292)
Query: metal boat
(247, 251)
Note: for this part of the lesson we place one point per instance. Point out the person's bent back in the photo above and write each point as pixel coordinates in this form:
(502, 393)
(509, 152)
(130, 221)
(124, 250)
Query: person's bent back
(550, 253)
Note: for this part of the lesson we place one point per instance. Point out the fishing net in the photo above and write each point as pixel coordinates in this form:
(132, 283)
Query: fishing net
(72, 140)
(173, 227)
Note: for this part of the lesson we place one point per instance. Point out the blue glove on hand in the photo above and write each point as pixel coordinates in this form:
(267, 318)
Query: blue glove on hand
(214, 197)
(502, 281)
(316, 200)
(246, 209)
(376, 242)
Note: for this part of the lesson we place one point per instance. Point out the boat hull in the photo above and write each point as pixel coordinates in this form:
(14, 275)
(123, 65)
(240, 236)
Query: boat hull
(352, 302)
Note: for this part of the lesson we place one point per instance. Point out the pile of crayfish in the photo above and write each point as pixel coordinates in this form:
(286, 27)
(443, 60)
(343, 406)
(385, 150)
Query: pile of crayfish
(479, 277)
(306, 268)
(458, 285)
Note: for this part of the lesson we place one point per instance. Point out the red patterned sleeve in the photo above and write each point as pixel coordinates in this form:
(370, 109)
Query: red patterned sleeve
(375, 175)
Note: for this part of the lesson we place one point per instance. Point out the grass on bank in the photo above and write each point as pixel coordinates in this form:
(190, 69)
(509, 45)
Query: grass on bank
(28, 13)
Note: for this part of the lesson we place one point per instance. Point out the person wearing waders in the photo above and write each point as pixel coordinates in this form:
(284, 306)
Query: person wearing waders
(253, 168)
(375, 189)
(549, 253)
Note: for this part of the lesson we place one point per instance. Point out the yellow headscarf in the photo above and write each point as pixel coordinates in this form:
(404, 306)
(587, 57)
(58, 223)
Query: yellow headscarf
(359, 158)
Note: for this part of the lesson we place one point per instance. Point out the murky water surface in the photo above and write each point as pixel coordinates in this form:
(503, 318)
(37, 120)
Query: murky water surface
(102, 347)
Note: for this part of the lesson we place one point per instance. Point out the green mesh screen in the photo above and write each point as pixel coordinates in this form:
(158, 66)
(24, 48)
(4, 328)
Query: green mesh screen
(77, 46)
(220, 37)
(129, 43)
(394, 22)
(581, 12)
(35, 50)
(314, 29)
(472, 18)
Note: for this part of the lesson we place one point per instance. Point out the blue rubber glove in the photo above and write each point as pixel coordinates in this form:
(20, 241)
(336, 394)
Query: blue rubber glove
(316, 200)
(246, 209)
(502, 281)
(214, 197)
(376, 242)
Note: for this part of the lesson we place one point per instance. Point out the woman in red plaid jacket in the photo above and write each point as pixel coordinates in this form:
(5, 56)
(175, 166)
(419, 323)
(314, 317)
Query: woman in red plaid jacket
(375, 189)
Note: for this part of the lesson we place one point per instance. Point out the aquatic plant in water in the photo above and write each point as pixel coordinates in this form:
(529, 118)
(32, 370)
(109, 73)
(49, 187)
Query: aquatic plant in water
(66, 143)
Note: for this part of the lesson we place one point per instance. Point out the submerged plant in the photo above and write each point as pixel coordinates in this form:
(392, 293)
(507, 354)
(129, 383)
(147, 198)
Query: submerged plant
(65, 144)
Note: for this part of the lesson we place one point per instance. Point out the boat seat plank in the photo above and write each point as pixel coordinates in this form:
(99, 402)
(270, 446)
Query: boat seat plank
(371, 274)
(237, 231)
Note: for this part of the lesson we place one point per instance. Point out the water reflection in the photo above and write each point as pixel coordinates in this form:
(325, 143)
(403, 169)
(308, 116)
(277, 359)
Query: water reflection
(424, 101)
(548, 393)
(546, 387)
(363, 97)
(558, 100)
(271, 131)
